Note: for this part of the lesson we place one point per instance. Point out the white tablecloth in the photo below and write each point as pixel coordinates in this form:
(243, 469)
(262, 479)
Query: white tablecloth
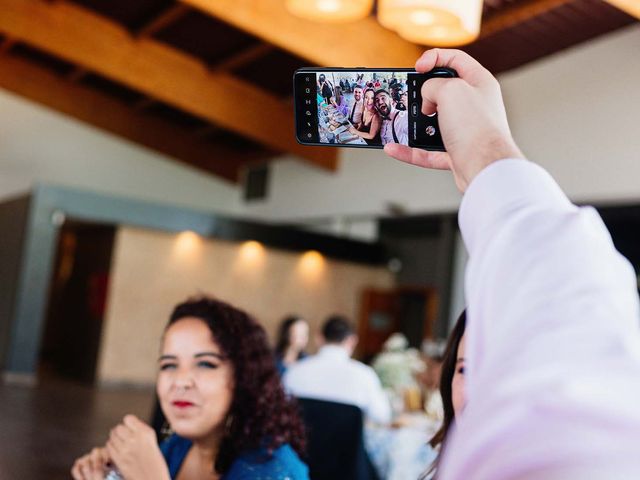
(401, 453)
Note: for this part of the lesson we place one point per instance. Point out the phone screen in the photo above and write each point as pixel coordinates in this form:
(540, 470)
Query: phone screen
(364, 108)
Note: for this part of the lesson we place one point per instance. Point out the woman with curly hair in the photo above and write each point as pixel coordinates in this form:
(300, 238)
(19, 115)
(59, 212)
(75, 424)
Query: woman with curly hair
(222, 396)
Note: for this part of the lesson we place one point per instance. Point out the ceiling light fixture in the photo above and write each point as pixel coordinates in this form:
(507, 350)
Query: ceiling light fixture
(437, 23)
(331, 11)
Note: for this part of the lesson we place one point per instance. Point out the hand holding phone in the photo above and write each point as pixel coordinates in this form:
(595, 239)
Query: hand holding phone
(366, 108)
(472, 118)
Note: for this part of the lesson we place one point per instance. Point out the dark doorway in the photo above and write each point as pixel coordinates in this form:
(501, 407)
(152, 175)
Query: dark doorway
(77, 301)
(409, 310)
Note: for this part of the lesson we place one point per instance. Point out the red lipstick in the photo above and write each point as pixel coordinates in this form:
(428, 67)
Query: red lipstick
(182, 404)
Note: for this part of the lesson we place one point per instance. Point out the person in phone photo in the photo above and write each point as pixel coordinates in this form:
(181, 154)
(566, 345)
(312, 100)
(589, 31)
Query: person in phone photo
(369, 127)
(395, 123)
(356, 106)
(339, 101)
(325, 88)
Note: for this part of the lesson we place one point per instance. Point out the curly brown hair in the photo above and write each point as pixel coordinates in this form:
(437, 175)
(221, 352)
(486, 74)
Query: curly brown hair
(264, 417)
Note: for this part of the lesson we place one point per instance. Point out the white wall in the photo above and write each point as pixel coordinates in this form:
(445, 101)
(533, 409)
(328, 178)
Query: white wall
(152, 271)
(39, 145)
(577, 113)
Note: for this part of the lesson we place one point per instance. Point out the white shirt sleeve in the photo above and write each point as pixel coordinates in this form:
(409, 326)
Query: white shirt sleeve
(552, 340)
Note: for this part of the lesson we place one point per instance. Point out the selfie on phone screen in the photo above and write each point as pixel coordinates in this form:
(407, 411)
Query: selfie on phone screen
(362, 108)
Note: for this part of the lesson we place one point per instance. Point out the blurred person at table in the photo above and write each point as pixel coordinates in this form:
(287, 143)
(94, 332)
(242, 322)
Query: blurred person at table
(369, 127)
(325, 88)
(395, 123)
(452, 388)
(293, 338)
(356, 106)
(553, 339)
(333, 376)
(398, 98)
(433, 354)
(339, 101)
(223, 399)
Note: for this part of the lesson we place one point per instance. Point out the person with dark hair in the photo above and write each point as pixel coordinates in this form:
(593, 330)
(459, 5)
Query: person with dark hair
(222, 397)
(395, 123)
(339, 101)
(333, 376)
(357, 106)
(369, 126)
(293, 337)
(452, 386)
(325, 88)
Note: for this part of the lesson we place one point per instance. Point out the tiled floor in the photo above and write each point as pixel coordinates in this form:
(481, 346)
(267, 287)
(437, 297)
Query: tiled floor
(44, 428)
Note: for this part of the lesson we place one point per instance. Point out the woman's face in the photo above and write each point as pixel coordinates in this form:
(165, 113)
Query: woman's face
(458, 395)
(299, 335)
(368, 99)
(195, 381)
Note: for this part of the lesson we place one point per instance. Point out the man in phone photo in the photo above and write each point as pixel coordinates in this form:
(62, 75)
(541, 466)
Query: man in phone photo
(395, 123)
(356, 106)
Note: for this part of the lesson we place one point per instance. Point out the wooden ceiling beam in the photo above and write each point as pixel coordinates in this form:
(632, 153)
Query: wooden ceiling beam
(77, 74)
(363, 43)
(98, 109)
(246, 56)
(170, 15)
(7, 44)
(630, 7)
(159, 71)
(516, 14)
(205, 131)
(144, 103)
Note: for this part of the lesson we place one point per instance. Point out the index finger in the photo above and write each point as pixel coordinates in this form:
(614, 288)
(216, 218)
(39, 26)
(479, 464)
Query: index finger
(467, 67)
(133, 422)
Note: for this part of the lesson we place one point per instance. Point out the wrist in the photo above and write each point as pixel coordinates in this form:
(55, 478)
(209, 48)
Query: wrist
(494, 148)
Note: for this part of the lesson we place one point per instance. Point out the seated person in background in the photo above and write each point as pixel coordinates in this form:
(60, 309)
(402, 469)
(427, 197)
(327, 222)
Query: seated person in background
(222, 396)
(452, 387)
(339, 101)
(433, 354)
(333, 376)
(293, 337)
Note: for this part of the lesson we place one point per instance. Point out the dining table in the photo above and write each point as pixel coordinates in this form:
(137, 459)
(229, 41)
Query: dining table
(334, 127)
(400, 451)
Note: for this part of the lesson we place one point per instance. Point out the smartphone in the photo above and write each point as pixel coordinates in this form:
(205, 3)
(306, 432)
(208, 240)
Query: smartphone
(364, 107)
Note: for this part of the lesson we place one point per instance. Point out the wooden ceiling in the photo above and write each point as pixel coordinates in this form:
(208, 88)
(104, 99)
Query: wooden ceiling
(208, 82)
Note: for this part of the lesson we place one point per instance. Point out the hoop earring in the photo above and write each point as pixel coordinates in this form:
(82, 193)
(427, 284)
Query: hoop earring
(166, 430)
(228, 424)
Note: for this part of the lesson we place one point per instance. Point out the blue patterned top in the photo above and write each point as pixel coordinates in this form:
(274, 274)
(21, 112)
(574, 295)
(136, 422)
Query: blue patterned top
(284, 464)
